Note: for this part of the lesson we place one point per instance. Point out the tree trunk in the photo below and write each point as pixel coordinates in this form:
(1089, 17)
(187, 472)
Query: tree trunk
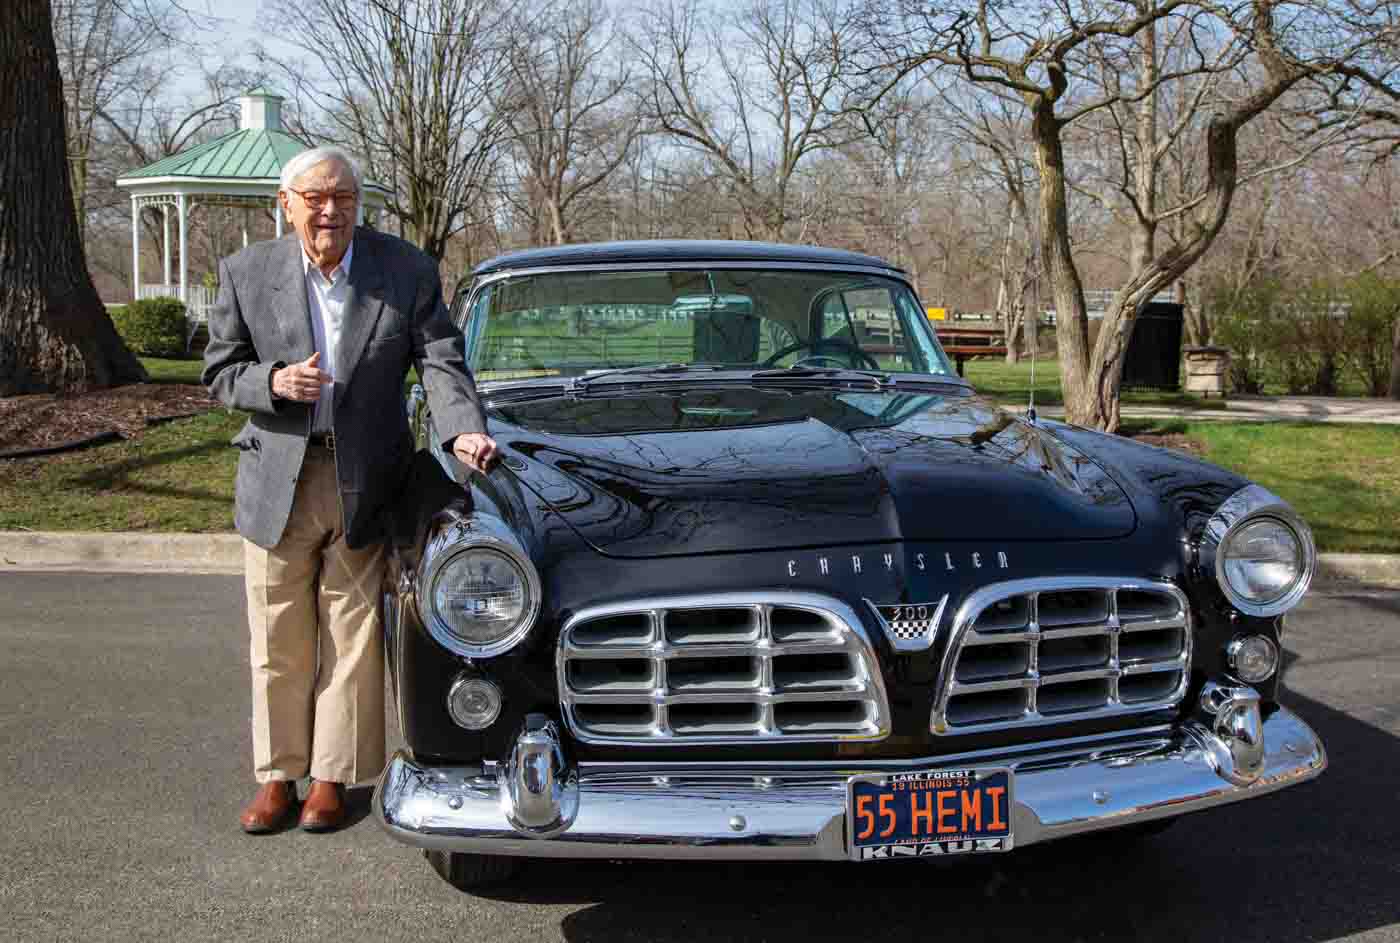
(55, 335)
(1057, 260)
(1395, 363)
(1015, 328)
(557, 234)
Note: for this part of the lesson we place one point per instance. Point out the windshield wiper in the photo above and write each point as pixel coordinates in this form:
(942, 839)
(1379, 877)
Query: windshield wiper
(878, 380)
(821, 373)
(646, 369)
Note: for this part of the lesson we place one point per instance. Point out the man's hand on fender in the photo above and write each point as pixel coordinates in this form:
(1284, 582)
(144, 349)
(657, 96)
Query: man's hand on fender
(301, 382)
(476, 450)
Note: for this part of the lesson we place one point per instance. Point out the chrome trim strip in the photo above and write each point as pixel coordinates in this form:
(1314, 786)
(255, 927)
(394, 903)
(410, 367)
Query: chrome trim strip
(718, 812)
(690, 264)
(848, 635)
(1025, 753)
(1032, 679)
(1248, 504)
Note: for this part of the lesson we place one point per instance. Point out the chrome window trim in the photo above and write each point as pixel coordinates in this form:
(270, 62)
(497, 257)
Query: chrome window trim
(452, 538)
(873, 690)
(979, 600)
(1249, 504)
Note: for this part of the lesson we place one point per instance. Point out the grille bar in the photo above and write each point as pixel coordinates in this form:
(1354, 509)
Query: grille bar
(721, 669)
(1042, 651)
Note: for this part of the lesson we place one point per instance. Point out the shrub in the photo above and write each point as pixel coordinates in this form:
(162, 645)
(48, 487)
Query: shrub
(1369, 330)
(152, 327)
(1309, 340)
(1244, 321)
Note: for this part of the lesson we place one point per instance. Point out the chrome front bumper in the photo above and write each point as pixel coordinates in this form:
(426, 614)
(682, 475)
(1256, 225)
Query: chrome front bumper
(535, 805)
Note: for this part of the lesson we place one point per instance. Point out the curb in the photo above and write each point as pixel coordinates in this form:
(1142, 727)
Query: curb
(1375, 569)
(136, 552)
(121, 552)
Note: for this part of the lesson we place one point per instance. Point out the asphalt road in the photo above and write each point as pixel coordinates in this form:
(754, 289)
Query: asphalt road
(123, 727)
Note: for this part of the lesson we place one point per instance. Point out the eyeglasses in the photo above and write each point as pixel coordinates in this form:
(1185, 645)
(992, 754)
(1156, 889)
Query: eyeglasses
(318, 198)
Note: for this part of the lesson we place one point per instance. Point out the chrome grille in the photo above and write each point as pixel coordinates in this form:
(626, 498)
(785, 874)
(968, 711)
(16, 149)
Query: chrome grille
(720, 670)
(1061, 649)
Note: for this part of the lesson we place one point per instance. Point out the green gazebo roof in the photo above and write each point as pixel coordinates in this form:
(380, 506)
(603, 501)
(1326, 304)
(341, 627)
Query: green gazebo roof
(250, 154)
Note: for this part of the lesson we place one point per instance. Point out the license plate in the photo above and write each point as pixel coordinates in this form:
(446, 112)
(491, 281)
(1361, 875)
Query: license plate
(937, 812)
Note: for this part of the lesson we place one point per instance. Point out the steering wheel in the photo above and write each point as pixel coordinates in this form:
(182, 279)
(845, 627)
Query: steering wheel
(818, 345)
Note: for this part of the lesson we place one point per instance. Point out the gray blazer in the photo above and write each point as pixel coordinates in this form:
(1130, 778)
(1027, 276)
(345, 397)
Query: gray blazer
(394, 316)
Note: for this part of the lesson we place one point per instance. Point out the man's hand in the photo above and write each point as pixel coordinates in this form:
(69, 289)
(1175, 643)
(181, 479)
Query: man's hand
(301, 382)
(476, 450)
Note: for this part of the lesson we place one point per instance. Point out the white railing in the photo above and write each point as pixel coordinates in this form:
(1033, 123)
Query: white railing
(199, 299)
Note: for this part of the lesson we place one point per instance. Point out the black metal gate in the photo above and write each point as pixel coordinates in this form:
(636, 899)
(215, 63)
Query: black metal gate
(1153, 358)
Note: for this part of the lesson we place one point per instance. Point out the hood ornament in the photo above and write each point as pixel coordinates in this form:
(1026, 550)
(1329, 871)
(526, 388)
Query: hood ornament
(910, 627)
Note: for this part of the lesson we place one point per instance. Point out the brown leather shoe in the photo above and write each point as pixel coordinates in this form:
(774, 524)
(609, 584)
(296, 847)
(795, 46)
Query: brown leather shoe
(324, 808)
(270, 807)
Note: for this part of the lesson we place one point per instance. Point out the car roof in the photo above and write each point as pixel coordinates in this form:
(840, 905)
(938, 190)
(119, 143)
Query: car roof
(676, 250)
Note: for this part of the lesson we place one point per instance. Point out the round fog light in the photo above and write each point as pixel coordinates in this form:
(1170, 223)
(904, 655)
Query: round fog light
(474, 703)
(1253, 658)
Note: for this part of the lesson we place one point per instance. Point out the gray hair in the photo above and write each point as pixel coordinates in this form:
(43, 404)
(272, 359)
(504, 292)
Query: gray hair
(313, 157)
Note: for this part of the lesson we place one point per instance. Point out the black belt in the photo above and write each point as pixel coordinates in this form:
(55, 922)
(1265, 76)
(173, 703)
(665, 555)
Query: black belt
(322, 441)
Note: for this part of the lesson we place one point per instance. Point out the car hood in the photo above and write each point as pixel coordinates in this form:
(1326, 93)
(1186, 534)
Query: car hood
(684, 470)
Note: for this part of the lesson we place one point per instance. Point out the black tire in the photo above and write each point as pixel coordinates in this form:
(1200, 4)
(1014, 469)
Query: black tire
(468, 872)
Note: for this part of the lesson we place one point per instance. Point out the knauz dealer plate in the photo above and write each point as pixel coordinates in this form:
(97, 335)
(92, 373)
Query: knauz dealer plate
(921, 814)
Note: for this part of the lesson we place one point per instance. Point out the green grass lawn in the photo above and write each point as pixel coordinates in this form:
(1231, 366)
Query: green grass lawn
(1011, 383)
(163, 370)
(1343, 479)
(176, 477)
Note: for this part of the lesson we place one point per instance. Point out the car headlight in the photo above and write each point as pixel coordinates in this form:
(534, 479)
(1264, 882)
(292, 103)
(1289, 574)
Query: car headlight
(479, 593)
(1263, 553)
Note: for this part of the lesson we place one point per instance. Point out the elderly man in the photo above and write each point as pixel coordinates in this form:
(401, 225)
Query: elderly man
(313, 335)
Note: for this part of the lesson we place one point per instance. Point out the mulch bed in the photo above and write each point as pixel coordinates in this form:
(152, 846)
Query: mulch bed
(45, 420)
(1175, 440)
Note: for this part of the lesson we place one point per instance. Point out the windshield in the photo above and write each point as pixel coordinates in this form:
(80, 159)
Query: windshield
(565, 324)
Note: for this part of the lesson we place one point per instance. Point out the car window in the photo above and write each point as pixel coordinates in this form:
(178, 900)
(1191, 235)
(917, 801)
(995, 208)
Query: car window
(573, 322)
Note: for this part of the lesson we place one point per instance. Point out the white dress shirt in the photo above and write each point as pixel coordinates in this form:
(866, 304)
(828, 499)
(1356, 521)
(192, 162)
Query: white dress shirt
(325, 297)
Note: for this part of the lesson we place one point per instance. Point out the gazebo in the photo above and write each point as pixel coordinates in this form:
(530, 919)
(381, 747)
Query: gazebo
(238, 170)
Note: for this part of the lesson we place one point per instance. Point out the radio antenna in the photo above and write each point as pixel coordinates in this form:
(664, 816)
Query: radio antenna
(1031, 320)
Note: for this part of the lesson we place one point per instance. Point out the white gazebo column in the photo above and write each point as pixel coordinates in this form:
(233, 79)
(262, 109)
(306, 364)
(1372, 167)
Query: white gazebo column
(165, 221)
(245, 227)
(184, 260)
(277, 215)
(135, 250)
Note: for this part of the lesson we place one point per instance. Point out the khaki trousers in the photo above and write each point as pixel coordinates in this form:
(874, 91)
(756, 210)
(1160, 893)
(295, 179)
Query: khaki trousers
(316, 649)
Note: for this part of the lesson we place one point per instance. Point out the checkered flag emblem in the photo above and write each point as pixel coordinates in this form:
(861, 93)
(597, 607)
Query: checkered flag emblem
(911, 627)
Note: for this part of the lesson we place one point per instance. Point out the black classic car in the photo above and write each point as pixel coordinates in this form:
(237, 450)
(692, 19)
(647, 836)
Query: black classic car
(760, 577)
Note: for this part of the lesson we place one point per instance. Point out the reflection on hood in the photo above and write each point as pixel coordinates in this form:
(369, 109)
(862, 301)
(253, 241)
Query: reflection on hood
(736, 468)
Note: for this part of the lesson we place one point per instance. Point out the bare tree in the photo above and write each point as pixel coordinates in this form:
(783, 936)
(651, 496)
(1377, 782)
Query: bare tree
(994, 126)
(568, 108)
(408, 85)
(755, 92)
(107, 53)
(1044, 62)
(54, 332)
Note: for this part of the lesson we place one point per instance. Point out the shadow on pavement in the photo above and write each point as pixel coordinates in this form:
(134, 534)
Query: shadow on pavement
(1312, 863)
